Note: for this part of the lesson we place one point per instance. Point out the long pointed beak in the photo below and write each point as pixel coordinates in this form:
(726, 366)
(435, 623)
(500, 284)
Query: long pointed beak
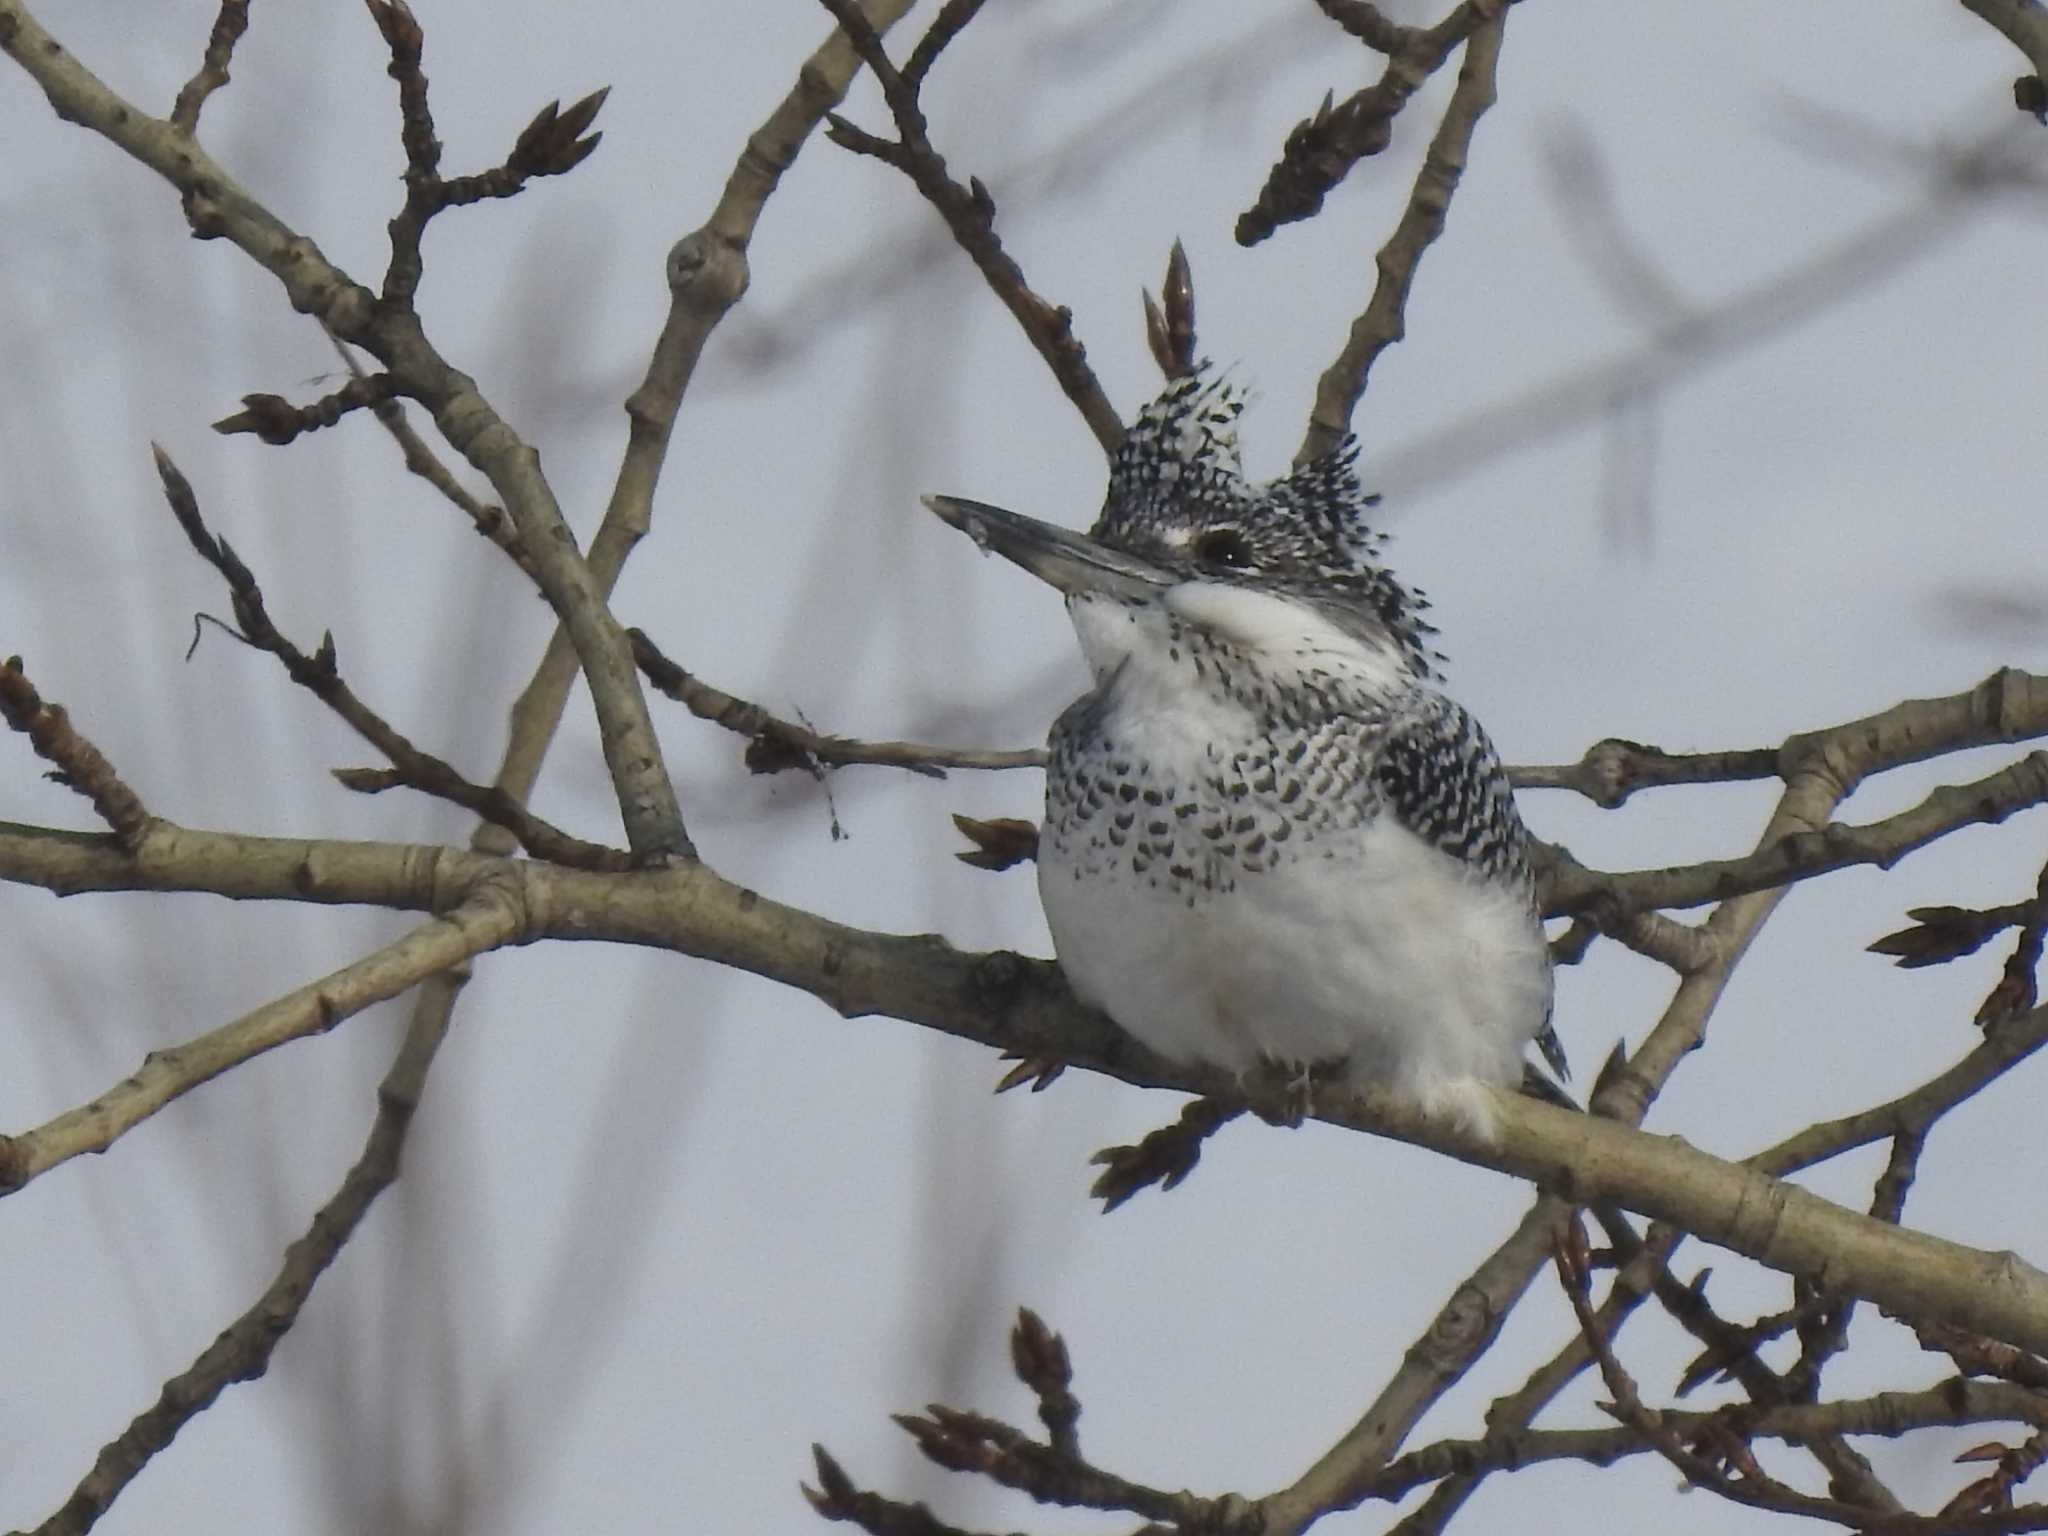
(1072, 562)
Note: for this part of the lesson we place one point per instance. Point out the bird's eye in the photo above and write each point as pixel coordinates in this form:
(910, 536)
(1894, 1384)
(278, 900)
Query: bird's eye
(1225, 547)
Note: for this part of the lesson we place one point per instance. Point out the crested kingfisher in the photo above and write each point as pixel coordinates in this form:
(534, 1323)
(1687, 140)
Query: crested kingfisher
(1270, 839)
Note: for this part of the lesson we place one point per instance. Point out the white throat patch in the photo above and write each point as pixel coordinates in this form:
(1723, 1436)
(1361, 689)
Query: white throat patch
(1287, 636)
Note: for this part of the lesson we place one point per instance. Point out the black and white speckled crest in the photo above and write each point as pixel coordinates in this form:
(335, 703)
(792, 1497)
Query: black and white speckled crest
(1178, 482)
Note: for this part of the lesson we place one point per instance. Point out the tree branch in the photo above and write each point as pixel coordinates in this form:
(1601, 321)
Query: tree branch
(707, 274)
(1383, 323)
(79, 764)
(496, 914)
(1954, 1403)
(1802, 855)
(1622, 1095)
(320, 675)
(1010, 1003)
(2024, 24)
(970, 213)
(228, 27)
(775, 744)
(489, 521)
(1614, 769)
(216, 206)
(243, 1350)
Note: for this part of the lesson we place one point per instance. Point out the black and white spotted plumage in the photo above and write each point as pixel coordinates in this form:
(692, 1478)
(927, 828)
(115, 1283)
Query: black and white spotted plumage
(1179, 475)
(1269, 836)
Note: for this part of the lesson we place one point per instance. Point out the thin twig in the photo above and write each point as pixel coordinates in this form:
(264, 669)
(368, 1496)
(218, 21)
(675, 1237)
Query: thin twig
(775, 745)
(1219, 78)
(1908, 1115)
(1993, 1494)
(1366, 23)
(1466, 1325)
(421, 460)
(969, 213)
(277, 421)
(953, 17)
(79, 764)
(1323, 149)
(1614, 769)
(1051, 1471)
(320, 675)
(1753, 1488)
(2018, 984)
(707, 274)
(217, 207)
(244, 1348)
(492, 916)
(837, 1497)
(228, 27)
(971, 1442)
(1383, 321)
(406, 42)
(1891, 1414)
(2004, 1047)
(1509, 1416)
(1802, 855)
(1975, 1355)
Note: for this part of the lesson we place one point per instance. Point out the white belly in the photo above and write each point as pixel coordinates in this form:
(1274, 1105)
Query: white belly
(1364, 946)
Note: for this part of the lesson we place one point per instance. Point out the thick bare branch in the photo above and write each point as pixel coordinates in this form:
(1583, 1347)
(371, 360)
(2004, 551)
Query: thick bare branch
(1014, 1004)
(707, 274)
(1623, 1094)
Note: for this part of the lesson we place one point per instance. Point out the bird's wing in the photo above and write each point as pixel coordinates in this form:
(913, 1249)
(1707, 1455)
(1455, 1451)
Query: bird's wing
(1441, 779)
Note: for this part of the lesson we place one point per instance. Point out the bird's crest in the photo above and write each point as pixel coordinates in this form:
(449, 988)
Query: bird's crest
(1179, 474)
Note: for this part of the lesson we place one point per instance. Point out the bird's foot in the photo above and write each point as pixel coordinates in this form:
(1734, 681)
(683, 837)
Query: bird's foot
(1283, 1093)
(1536, 1086)
(1038, 1071)
(1164, 1157)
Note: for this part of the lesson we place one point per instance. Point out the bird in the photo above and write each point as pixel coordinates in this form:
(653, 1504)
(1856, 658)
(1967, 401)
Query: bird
(1271, 841)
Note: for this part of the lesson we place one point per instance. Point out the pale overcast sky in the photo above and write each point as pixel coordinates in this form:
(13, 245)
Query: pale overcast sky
(662, 1225)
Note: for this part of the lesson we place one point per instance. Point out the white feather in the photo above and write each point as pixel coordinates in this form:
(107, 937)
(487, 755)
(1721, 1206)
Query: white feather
(1365, 945)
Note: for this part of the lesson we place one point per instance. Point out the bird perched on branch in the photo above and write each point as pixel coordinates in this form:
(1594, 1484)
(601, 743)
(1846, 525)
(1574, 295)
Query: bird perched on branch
(1270, 840)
